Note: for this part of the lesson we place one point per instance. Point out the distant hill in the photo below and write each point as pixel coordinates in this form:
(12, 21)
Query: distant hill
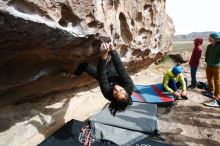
(192, 36)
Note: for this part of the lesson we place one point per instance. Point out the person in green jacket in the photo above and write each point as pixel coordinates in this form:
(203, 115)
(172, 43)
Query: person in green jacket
(212, 58)
(174, 79)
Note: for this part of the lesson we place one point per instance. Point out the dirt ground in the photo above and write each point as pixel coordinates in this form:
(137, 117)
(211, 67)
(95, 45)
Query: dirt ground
(189, 122)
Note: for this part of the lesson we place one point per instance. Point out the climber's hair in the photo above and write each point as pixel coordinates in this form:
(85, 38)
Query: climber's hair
(118, 105)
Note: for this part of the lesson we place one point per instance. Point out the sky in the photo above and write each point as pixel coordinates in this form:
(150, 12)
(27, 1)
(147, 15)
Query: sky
(194, 15)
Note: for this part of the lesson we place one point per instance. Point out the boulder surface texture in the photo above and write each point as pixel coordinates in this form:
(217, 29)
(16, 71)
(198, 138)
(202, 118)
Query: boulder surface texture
(39, 39)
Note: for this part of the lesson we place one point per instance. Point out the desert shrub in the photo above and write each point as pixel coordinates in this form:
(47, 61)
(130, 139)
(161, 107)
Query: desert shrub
(165, 59)
(165, 62)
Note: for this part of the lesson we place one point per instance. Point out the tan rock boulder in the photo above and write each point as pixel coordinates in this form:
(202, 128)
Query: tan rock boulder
(38, 39)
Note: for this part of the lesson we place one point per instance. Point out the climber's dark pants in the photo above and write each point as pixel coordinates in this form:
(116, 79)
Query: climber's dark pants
(175, 85)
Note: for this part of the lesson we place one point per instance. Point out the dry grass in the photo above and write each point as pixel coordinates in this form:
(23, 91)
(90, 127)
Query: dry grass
(183, 46)
(180, 46)
(165, 64)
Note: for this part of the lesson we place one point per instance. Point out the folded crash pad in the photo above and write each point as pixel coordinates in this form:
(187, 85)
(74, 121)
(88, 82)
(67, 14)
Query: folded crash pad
(137, 122)
(140, 117)
(154, 94)
(117, 135)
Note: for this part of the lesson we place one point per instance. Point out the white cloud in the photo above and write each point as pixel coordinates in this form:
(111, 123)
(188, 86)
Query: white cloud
(194, 15)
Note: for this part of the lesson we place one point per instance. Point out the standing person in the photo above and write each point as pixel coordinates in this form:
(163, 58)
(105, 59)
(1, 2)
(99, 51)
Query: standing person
(174, 79)
(212, 58)
(195, 61)
(115, 83)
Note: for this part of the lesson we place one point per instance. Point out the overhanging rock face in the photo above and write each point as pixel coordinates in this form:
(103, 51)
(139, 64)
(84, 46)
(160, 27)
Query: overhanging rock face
(40, 38)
